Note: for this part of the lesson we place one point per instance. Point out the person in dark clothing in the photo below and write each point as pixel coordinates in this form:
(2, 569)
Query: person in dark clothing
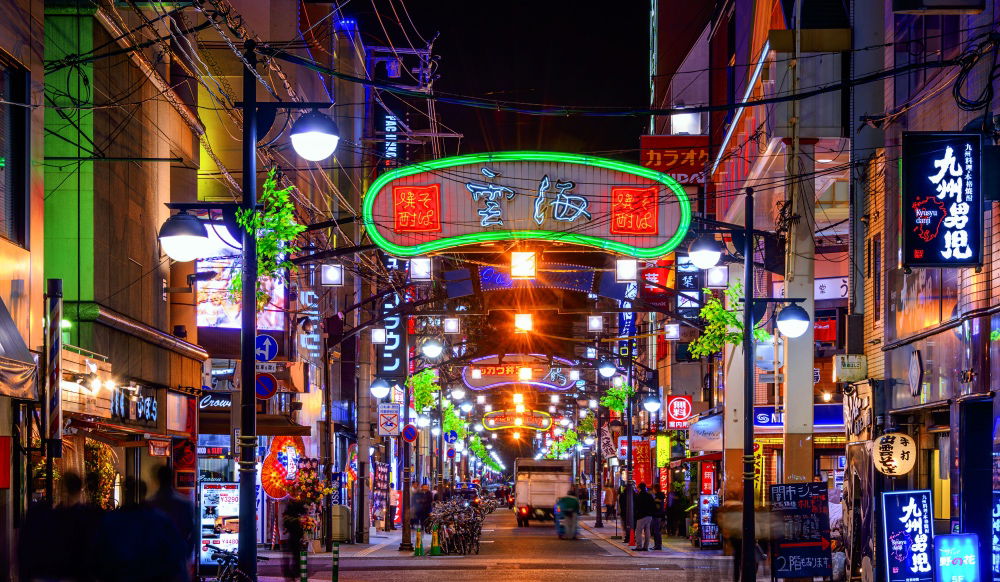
(178, 509)
(421, 502)
(659, 510)
(645, 507)
(292, 521)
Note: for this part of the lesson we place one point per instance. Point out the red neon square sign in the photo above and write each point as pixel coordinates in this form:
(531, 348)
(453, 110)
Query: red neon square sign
(634, 210)
(416, 208)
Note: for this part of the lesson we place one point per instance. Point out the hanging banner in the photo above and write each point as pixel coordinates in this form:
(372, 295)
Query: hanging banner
(908, 527)
(607, 444)
(800, 530)
(942, 218)
(534, 196)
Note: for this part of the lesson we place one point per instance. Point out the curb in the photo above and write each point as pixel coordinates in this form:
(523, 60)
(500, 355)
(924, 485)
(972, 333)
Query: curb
(608, 540)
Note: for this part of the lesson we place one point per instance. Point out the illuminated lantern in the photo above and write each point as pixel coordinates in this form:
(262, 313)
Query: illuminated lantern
(895, 454)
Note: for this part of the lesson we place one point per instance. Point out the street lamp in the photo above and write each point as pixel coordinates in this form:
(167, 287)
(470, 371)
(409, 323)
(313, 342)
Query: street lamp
(607, 369)
(466, 407)
(793, 321)
(651, 403)
(432, 349)
(705, 252)
(380, 388)
(458, 393)
(314, 136)
(183, 237)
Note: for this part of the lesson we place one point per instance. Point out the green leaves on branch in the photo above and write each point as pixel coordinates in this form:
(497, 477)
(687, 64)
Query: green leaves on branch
(451, 421)
(275, 228)
(587, 424)
(617, 397)
(424, 385)
(722, 326)
(564, 445)
(477, 448)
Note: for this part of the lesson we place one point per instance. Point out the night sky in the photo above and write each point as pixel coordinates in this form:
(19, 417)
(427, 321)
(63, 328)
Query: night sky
(542, 51)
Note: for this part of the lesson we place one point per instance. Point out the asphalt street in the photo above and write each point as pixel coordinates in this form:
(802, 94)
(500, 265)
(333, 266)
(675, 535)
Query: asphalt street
(518, 554)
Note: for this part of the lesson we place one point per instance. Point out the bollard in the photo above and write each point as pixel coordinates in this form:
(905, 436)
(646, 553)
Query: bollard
(435, 542)
(418, 548)
(335, 572)
(303, 566)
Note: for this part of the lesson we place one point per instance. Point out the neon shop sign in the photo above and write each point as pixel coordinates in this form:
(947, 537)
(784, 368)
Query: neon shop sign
(543, 196)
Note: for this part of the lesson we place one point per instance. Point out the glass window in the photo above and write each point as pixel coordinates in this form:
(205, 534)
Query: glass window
(13, 148)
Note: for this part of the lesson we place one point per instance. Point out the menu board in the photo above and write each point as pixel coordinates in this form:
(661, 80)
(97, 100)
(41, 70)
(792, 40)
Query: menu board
(956, 558)
(907, 523)
(801, 522)
(706, 525)
(220, 523)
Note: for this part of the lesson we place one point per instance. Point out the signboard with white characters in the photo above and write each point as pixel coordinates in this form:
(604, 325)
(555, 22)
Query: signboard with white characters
(219, 518)
(908, 527)
(895, 454)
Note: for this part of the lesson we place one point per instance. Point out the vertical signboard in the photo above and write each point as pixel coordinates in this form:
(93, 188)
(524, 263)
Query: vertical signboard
(679, 409)
(707, 478)
(219, 519)
(391, 358)
(907, 524)
(941, 206)
(956, 558)
(995, 545)
(707, 528)
(800, 530)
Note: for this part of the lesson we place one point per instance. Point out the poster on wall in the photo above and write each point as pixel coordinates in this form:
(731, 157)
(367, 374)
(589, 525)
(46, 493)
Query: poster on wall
(800, 530)
(942, 220)
(219, 518)
(908, 527)
(708, 528)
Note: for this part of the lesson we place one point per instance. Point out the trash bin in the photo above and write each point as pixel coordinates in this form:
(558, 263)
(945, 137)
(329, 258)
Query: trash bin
(340, 515)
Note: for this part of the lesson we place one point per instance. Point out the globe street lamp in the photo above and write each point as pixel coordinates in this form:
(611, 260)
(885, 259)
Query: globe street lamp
(651, 403)
(607, 369)
(432, 349)
(793, 321)
(183, 237)
(380, 388)
(314, 136)
(705, 252)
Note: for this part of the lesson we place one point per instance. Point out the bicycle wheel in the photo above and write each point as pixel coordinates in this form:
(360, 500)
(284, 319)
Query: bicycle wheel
(234, 574)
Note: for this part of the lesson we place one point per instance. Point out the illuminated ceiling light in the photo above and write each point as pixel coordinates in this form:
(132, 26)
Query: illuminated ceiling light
(717, 277)
(477, 374)
(452, 325)
(518, 398)
(672, 331)
(481, 399)
(519, 408)
(458, 393)
(466, 407)
(518, 421)
(421, 269)
(432, 348)
(516, 435)
(314, 136)
(524, 373)
(331, 275)
(488, 407)
(618, 382)
(705, 252)
(593, 404)
(554, 399)
(183, 237)
(523, 323)
(378, 335)
(574, 375)
(595, 323)
(380, 388)
(793, 321)
(607, 369)
(523, 265)
(626, 270)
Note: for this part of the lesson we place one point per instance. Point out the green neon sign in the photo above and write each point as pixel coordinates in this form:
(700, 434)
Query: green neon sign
(494, 235)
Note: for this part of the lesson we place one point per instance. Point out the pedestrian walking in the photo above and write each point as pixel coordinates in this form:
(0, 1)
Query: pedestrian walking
(644, 507)
(659, 511)
(393, 504)
(292, 519)
(584, 496)
(610, 501)
(177, 508)
(421, 502)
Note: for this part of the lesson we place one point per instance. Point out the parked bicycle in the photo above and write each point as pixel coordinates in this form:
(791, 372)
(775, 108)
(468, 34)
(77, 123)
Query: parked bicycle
(459, 526)
(229, 571)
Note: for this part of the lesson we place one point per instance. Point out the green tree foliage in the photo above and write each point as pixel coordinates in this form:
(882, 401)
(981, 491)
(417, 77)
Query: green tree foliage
(569, 440)
(275, 229)
(424, 385)
(722, 326)
(616, 397)
(587, 424)
(477, 448)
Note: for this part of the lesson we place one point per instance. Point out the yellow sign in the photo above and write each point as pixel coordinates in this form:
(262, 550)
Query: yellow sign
(663, 445)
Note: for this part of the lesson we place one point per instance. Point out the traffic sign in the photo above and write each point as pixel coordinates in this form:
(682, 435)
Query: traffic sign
(451, 453)
(388, 419)
(265, 348)
(266, 386)
(450, 436)
(409, 433)
(266, 367)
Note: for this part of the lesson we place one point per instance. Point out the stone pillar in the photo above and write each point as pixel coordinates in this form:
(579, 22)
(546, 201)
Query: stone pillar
(800, 351)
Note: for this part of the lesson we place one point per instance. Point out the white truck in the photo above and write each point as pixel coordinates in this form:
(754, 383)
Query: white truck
(537, 486)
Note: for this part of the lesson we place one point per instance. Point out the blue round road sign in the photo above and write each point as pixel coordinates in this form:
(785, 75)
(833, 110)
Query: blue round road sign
(451, 453)
(409, 433)
(266, 386)
(450, 436)
(265, 348)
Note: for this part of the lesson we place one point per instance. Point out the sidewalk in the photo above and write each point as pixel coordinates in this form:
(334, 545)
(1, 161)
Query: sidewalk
(381, 544)
(673, 547)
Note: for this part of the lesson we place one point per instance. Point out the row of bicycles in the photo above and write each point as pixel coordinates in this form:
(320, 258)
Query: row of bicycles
(460, 524)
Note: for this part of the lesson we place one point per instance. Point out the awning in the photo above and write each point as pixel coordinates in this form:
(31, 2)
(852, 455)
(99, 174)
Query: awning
(706, 457)
(267, 425)
(17, 366)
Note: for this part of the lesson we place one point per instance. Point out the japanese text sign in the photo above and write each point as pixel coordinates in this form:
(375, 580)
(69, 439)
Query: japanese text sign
(942, 220)
(490, 372)
(683, 157)
(995, 545)
(907, 523)
(679, 409)
(956, 558)
(541, 196)
(800, 530)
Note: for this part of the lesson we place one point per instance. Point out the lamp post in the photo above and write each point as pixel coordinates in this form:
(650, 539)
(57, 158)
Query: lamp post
(598, 461)
(792, 321)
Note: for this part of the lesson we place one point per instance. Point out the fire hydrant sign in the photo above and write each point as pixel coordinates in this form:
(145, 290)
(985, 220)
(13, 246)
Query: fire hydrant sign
(388, 419)
(679, 410)
(907, 521)
(800, 530)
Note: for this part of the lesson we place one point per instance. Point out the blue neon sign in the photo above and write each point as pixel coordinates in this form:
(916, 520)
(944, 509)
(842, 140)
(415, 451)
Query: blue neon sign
(907, 523)
(956, 558)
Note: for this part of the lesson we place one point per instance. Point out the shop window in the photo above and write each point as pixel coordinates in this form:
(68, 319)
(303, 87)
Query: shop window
(13, 152)
(922, 39)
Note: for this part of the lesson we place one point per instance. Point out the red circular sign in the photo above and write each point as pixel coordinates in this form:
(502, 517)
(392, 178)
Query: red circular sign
(266, 385)
(679, 408)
